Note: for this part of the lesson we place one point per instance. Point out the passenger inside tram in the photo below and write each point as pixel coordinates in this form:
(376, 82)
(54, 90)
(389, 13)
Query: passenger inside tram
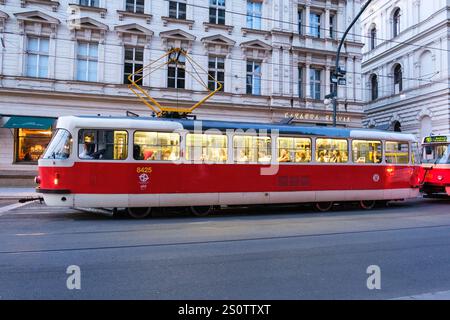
(284, 156)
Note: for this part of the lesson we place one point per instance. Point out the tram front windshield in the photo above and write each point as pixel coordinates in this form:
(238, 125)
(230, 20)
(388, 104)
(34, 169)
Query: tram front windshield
(60, 146)
(438, 154)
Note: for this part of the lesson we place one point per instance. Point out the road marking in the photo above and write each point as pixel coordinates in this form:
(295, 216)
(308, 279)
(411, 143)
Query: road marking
(441, 295)
(13, 206)
(29, 234)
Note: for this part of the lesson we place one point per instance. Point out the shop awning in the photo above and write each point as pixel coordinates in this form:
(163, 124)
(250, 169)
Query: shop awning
(29, 122)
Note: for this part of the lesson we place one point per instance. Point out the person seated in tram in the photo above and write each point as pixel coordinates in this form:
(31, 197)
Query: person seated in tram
(242, 157)
(263, 157)
(334, 156)
(376, 157)
(222, 155)
(168, 155)
(321, 156)
(149, 154)
(300, 156)
(87, 151)
(284, 156)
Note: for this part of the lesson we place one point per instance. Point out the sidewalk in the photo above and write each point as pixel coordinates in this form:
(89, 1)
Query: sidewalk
(17, 193)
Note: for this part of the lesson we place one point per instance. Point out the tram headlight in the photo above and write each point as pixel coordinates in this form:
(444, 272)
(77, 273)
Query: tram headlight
(56, 180)
(440, 178)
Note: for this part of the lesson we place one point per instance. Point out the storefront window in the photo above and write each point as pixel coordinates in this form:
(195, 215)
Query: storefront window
(30, 144)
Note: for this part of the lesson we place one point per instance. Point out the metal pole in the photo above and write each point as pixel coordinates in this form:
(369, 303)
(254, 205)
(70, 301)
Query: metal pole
(335, 88)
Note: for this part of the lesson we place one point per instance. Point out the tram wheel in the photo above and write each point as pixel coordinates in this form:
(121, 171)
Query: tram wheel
(139, 212)
(201, 211)
(323, 206)
(367, 204)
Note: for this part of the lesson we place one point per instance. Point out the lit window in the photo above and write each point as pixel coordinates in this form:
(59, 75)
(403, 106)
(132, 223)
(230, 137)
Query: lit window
(102, 144)
(331, 150)
(366, 151)
(254, 14)
(252, 149)
(217, 11)
(294, 149)
(156, 146)
(87, 61)
(30, 144)
(216, 71)
(37, 57)
(206, 147)
(397, 152)
(134, 61)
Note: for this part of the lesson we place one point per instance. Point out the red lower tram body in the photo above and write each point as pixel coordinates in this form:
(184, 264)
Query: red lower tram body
(137, 184)
(436, 179)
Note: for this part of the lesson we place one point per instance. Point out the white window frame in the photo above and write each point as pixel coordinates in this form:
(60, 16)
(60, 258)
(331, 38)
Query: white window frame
(254, 76)
(88, 59)
(177, 10)
(254, 15)
(133, 62)
(135, 5)
(313, 82)
(314, 29)
(214, 72)
(217, 6)
(39, 54)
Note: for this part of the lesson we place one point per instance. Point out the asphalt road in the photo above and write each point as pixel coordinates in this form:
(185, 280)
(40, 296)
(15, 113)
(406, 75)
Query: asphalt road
(258, 253)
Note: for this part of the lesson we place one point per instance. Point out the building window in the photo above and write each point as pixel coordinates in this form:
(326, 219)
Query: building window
(374, 87)
(217, 11)
(30, 144)
(176, 73)
(373, 37)
(398, 79)
(216, 71)
(254, 14)
(314, 20)
(253, 77)
(300, 82)
(332, 84)
(396, 23)
(177, 10)
(300, 21)
(332, 26)
(87, 61)
(90, 3)
(37, 57)
(135, 6)
(314, 82)
(134, 61)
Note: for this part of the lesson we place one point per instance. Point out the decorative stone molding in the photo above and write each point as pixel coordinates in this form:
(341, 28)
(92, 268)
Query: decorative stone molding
(218, 44)
(101, 11)
(89, 29)
(246, 31)
(372, 123)
(167, 20)
(133, 34)
(256, 49)
(3, 17)
(177, 39)
(226, 27)
(424, 113)
(122, 14)
(37, 23)
(395, 117)
(53, 4)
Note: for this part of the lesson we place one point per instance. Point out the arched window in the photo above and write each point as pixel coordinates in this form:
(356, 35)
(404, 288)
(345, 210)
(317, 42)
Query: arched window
(398, 79)
(374, 87)
(373, 37)
(396, 23)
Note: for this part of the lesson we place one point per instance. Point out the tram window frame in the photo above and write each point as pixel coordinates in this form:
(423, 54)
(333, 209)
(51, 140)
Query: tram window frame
(292, 149)
(205, 146)
(157, 152)
(386, 151)
(317, 150)
(93, 153)
(255, 148)
(372, 141)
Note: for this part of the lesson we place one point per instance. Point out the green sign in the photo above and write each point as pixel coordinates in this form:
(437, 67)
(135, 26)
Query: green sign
(434, 139)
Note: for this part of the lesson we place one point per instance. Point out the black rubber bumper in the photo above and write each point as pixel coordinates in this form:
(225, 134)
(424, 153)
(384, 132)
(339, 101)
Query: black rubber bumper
(53, 191)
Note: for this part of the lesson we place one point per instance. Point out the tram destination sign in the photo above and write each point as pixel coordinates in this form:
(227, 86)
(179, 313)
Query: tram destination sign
(436, 139)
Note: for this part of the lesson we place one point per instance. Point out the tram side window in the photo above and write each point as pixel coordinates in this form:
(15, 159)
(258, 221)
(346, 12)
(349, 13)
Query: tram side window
(365, 151)
(252, 149)
(397, 152)
(206, 147)
(160, 146)
(331, 150)
(294, 149)
(102, 144)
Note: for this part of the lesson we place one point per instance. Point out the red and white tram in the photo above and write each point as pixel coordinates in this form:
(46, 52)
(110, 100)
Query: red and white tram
(139, 163)
(436, 164)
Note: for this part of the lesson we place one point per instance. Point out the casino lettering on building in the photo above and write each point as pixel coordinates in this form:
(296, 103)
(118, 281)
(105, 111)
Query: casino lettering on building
(73, 57)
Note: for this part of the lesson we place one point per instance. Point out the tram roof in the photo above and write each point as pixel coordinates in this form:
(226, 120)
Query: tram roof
(284, 129)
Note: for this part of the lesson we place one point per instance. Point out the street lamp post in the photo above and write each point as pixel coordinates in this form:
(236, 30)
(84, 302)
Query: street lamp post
(337, 72)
